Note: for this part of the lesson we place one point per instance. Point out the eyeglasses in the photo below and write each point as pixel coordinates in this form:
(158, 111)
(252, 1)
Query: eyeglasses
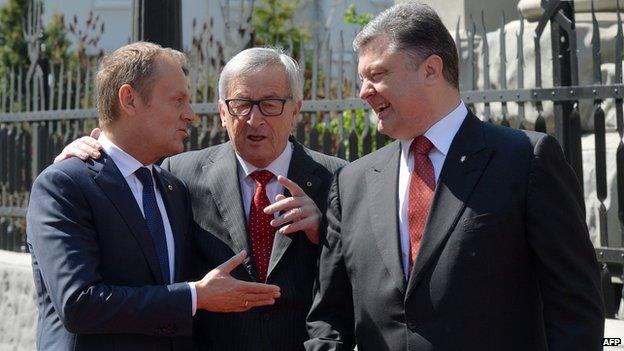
(268, 107)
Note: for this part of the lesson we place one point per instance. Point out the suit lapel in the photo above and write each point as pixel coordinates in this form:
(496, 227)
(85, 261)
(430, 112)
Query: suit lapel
(382, 179)
(464, 164)
(174, 207)
(112, 183)
(300, 171)
(224, 185)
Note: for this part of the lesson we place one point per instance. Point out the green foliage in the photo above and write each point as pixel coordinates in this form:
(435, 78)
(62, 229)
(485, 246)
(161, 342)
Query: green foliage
(56, 42)
(13, 48)
(273, 24)
(361, 119)
(352, 17)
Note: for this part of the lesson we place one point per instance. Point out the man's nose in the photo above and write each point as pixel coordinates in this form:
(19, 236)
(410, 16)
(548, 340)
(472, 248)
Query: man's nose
(367, 90)
(255, 116)
(188, 114)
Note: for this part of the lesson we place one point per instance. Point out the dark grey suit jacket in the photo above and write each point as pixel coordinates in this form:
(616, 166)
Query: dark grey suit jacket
(212, 177)
(505, 262)
(97, 276)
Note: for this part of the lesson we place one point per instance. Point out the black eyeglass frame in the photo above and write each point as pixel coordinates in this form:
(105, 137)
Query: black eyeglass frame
(257, 102)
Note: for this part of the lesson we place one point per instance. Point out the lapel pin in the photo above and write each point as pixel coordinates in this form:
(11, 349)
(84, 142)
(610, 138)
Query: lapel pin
(170, 187)
(462, 159)
(309, 184)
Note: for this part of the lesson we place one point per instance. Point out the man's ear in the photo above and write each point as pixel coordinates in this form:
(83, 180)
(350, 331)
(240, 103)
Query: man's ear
(127, 99)
(296, 111)
(433, 67)
(223, 113)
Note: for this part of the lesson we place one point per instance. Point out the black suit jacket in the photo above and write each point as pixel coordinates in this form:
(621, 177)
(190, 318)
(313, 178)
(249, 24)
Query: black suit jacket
(212, 177)
(97, 276)
(505, 262)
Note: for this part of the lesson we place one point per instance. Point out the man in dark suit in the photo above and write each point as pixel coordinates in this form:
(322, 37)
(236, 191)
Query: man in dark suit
(460, 235)
(110, 237)
(260, 92)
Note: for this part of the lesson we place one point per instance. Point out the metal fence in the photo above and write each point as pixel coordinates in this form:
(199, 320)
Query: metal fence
(43, 113)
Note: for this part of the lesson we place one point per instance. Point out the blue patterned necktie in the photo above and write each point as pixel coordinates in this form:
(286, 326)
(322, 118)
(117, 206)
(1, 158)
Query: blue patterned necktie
(154, 220)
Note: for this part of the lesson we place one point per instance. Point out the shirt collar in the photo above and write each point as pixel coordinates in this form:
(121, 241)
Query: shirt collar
(441, 134)
(279, 166)
(127, 164)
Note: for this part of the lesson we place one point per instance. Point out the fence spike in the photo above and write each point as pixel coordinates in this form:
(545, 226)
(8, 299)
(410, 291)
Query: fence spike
(340, 66)
(619, 47)
(78, 85)
(595, 47)
(315, 62)
(503, 68)
(471, 56)
(61, 77)
(12, 90)
(458, 45)
(19, 88)
(69, 91)
(486, 67)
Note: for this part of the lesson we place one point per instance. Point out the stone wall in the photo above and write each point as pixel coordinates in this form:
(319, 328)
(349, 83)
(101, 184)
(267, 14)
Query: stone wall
(18, 309)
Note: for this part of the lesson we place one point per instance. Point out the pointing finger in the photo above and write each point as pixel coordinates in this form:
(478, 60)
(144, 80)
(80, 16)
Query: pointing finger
(292, 187)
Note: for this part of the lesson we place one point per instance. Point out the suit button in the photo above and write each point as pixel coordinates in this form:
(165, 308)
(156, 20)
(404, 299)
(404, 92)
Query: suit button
(266, 317)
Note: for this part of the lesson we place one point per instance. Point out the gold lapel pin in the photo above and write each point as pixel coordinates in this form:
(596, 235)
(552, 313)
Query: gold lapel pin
(462, 159)
(170, 187)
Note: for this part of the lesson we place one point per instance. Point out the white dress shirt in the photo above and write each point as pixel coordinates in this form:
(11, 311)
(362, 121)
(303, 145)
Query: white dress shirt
(279, 166)
(127, 165)
(441, 135)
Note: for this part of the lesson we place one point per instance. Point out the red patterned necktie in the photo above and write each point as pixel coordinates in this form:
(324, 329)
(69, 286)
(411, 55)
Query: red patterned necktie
(261, 233)
(421, 188)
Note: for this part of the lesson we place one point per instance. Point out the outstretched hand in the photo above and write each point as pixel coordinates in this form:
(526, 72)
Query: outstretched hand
(218, 291)
(300, 211)
(82, 148)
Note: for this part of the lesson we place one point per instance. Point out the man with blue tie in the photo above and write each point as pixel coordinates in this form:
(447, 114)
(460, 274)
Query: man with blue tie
(110, 237)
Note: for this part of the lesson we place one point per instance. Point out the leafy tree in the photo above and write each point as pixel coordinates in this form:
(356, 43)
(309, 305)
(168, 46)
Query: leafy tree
(352, 17)
(56, 42)
(273, 24)
(13, 48)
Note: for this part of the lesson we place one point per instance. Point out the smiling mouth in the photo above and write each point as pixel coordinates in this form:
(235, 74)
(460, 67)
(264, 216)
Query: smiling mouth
(382, 107)
(256, 137)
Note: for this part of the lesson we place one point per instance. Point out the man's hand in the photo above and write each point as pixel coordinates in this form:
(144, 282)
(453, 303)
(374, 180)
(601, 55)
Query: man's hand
(300, 211)
(82, 148)
(220, 292)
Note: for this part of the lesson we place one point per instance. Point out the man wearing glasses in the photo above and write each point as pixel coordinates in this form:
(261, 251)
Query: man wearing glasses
(263, 192)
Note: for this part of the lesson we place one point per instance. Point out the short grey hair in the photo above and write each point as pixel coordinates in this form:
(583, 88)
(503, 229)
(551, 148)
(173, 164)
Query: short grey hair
(417, 30)
(255, 60)
(132, 64)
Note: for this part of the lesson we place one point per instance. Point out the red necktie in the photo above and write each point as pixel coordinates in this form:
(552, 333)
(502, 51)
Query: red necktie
(261, 232)
(421, 188)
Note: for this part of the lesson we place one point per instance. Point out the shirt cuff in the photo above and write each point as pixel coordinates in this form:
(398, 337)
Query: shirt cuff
(193, 297)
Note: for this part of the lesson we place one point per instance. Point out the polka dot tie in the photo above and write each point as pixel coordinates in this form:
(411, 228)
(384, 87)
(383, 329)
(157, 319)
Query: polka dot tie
(421, 188)
(261, 233)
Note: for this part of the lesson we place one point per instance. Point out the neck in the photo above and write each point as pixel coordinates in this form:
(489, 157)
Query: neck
(444, 106)
(130, 143)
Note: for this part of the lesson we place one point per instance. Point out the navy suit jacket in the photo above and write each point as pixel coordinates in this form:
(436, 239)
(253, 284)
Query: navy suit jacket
(97, 277)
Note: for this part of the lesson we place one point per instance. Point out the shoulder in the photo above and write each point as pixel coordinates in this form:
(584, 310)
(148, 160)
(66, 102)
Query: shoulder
(195, 156)
(72, 169)
(331, 163)
(513, 141)
(189, 163)
(378, 158)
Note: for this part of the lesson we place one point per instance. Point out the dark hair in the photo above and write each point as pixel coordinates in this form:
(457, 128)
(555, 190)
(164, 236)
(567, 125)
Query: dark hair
(416, 29)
